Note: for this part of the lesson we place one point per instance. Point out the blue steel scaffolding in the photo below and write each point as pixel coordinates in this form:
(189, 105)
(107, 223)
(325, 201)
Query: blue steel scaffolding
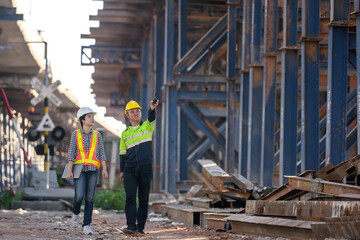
(267, 90)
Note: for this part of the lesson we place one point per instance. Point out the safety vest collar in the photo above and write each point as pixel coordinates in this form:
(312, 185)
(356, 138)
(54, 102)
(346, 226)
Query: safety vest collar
(130, 126)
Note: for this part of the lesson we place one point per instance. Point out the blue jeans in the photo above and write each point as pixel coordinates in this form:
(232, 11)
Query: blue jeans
(85, 186)
(137, 181)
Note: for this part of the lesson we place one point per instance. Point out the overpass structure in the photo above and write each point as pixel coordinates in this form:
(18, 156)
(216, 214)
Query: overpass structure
(22, 59)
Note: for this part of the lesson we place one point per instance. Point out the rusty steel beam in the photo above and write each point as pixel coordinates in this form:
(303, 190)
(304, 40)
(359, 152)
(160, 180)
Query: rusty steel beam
(285, 191)
(304, 210)
(271, 226)
(282, 193)
(323, 187)
(339, 172)
(338, 230)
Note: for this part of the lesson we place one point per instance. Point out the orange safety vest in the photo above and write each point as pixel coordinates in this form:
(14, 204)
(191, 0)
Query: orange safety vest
(88, 158)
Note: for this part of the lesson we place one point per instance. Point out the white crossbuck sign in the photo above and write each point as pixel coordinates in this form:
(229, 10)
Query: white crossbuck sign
(45, 92)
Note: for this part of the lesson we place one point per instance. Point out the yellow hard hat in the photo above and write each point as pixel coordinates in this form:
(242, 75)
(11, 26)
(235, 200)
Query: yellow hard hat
(131, 105)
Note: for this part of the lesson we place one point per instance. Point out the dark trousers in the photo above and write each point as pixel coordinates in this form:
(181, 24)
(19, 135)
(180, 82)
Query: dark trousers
(137, 180)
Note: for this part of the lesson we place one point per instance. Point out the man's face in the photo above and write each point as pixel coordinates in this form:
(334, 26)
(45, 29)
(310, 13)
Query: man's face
(89, 119)
(134, 114)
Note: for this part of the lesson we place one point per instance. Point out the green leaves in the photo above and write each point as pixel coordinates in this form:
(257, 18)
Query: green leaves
(110, 200)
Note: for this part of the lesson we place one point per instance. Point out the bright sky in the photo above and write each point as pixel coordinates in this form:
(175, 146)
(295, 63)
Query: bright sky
(61, 23)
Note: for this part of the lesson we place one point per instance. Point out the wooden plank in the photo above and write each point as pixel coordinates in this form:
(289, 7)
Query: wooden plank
(202, 202)
(323, 187)
(304, 210)
(185, 215)
(208, 184)
(243, 183)
(214, 173)
(191, 215)
(235, 194)
(210, 215)
(271, 226)
(194, 190)
(338, 230)
(215, 223)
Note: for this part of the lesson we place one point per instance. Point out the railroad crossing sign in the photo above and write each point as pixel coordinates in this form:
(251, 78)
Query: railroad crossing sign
(45, 92)
(46, 124)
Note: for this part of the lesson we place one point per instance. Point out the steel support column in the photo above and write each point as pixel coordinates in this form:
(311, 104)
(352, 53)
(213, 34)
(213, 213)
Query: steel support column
(229, 163)
(357, 14)
(310, 66)
(289, 92)
(244, 88)
(255, 97)
(145, 75)
(158, 77)
(182, 45)
(170, 125)
(269, 90)
(337, 81)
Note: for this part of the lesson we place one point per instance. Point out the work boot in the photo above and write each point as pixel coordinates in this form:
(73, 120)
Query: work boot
(88, 230)
(75, 220)
(129, 230)
(140, 231)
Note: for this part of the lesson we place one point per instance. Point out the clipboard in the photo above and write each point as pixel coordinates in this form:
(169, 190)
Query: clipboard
(77, 168)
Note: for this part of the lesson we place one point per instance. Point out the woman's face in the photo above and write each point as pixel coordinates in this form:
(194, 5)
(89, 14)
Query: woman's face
(89, 119)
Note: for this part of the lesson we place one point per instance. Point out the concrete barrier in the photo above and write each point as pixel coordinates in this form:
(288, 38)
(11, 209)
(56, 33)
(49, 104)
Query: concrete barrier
(54, 194)
(39, 205)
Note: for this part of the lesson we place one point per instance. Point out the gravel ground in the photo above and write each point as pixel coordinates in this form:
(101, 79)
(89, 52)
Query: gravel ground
(30, 224)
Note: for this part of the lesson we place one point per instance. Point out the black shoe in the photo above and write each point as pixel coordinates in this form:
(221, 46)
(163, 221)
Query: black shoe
(140, 231)
(129, 231)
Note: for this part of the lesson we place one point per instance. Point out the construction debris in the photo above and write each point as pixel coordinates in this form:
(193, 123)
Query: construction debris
(220, 189)
(315, 204)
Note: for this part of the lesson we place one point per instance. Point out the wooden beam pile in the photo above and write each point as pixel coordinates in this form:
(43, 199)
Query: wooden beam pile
(316, 204)
(220, 189)
(313, 205)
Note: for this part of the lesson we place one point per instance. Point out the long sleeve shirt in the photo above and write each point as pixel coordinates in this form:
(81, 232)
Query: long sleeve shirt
(136, 144)
(73, 150)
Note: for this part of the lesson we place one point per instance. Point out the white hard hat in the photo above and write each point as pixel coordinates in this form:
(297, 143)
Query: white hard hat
(83, 111)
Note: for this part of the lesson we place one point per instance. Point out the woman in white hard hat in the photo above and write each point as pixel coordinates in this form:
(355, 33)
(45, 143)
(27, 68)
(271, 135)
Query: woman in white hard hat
(87, 150)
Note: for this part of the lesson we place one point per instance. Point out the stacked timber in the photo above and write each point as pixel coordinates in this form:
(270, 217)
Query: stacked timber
(315, 204)
(220, 189)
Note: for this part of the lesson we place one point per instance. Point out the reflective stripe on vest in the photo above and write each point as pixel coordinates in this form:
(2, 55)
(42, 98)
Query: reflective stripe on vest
(88, 158)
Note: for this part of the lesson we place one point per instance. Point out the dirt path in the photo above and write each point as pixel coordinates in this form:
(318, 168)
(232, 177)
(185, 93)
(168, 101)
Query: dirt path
(28, 224)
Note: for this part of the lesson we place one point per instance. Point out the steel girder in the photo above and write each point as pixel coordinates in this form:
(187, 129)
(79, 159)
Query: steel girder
(244, 90)
(357, 14)
(310, 51)
(255, 96)
(289, 92)
(337, 81)
(269, 89)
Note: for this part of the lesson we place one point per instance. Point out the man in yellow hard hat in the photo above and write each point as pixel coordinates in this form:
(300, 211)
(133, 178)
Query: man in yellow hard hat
(136, 160)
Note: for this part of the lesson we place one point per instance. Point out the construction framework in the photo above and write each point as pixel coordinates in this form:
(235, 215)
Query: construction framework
(264, 88)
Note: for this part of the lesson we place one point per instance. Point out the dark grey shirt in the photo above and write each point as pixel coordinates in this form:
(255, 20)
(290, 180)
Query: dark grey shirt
(73, 152)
